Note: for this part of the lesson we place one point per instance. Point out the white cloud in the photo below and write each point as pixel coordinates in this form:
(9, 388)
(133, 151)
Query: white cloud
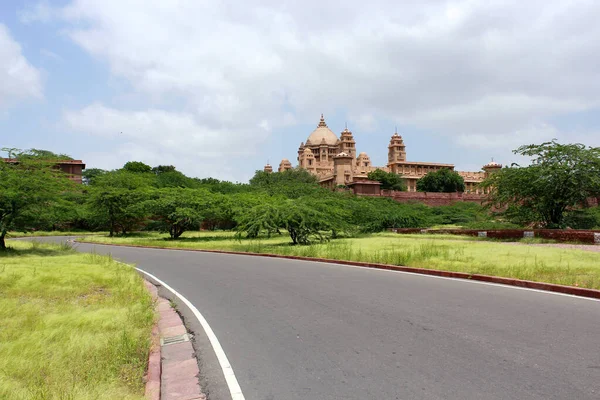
(161, 137)
(52, 55)
(39, 12)
(19, 80)
(474, 70)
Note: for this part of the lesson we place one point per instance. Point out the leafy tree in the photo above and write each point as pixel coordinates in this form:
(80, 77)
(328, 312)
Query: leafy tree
(40, 154)
(261, 218)
(28, 189)
(561, 177)
(89, 175)
(114, 199)
(137, 167)
(161, 169)
(378, 214)
(303, 222)
(443, 180)
(294, 175)
(178, 209)
(293, 183)
(174, 179)
(388, 180)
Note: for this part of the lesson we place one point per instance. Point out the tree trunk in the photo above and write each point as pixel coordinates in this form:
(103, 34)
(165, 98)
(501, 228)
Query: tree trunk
(178, 231)
(2, 242)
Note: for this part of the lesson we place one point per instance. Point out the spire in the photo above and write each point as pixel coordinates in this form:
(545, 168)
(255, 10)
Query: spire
(322, 122)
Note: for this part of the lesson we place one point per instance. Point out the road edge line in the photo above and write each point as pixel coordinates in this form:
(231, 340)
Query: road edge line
(234, 387)
(541, 287)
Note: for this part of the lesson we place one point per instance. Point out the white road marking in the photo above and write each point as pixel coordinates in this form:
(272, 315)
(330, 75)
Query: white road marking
(463, 280)
(232, 383)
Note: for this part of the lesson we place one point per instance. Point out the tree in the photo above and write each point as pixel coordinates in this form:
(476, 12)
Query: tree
(137, 167)
(28, 190)
(292, 183)
(174, 179)
(89, 175)
(443, 180)
(303, 222)
(388, 180)
(560, 178)
(178, 209)
(114, 199)
(162, 169)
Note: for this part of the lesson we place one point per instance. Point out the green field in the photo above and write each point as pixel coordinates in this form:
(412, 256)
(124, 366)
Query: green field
(72, 326)
(50, 233)
(446, 252)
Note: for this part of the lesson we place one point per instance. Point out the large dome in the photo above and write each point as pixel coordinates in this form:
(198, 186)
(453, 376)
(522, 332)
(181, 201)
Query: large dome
(322, 132)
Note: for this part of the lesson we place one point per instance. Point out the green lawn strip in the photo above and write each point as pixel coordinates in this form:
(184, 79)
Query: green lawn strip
(51, 233)
(471, 255)
(72, 325)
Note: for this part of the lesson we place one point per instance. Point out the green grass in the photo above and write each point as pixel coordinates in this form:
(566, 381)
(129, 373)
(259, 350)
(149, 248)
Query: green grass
(446, 252)
(72, 325)
(50, 233)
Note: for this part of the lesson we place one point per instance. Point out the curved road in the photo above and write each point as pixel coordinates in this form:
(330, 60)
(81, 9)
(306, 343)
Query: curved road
(297, 330)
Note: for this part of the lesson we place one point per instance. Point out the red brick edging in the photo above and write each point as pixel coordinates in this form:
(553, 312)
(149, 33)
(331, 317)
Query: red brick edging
(172, 366)
(550, 287)
(152, 391)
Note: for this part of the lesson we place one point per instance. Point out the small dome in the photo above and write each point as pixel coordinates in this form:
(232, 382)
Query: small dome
(342, 154)
(363, 154)
(492, 164)
(307, 151)
(322, 134)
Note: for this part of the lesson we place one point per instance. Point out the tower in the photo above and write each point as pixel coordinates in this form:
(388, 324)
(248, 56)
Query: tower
(347, 143)
(396, 152)
(284, 165)
(342, 168)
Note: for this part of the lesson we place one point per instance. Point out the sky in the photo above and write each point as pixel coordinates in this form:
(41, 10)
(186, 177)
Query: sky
(220, 88)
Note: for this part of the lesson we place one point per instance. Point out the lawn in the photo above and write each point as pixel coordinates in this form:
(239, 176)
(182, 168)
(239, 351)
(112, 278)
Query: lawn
(50, 233)
(446, 252)
(72, 325)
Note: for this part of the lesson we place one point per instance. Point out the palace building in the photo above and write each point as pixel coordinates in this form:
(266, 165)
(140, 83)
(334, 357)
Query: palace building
(334, 161)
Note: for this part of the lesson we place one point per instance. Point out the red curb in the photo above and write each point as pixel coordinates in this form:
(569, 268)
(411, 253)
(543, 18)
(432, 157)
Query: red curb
(152, 390)
(549, 287)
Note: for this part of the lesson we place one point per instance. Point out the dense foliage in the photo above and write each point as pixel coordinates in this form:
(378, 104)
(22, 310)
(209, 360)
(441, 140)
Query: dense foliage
(31, 192)
(388, 180)
(35, 195)
(551, 190)
(443, 180)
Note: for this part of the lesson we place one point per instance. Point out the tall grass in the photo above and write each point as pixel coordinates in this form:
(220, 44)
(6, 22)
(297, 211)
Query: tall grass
(446, 252)
(72, 326)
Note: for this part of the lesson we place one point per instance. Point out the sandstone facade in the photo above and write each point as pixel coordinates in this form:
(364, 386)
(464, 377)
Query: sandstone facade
(335, 162)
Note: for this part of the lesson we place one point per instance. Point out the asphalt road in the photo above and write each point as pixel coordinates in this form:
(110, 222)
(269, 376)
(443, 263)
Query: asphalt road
(302, 330)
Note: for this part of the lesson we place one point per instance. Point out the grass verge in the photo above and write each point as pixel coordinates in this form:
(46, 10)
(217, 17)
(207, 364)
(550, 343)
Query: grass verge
(471, 255)
(50, 233)
(72, 326)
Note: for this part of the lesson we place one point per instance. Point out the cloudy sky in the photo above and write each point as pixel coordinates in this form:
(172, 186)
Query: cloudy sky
(218, 88)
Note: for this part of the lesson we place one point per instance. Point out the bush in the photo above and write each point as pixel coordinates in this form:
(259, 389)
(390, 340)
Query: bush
(583, 219)
(459, 213)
